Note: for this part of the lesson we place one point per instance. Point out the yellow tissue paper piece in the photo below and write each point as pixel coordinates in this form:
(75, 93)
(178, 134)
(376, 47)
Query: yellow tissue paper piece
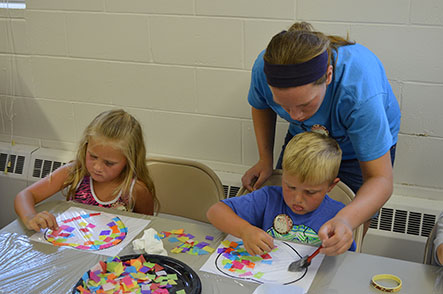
(209, 249)
(226, 243)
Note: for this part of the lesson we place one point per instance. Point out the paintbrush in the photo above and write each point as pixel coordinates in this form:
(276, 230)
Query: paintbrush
(304, 262)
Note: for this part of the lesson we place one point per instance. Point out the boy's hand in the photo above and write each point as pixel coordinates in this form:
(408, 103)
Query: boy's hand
(336, 236)
(256, 241)
(41, 220)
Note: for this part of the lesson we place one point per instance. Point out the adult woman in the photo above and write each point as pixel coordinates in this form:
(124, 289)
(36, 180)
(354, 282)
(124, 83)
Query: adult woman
(328, 84)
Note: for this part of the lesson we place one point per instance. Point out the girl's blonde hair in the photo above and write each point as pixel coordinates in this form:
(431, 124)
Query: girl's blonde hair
(122, 131)
(300, 44)
(314, 158)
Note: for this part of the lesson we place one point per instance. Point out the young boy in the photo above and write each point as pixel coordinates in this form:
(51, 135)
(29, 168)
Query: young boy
(293, 212)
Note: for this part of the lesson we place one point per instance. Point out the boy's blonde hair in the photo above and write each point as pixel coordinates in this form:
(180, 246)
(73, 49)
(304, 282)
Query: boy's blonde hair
(122, 131)
(314, 158)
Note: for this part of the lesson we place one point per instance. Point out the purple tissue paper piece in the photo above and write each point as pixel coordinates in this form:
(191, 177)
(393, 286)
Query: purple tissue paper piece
(69, 229)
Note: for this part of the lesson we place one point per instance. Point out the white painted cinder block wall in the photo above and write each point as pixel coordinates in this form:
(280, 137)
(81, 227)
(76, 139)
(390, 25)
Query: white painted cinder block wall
(182, 67)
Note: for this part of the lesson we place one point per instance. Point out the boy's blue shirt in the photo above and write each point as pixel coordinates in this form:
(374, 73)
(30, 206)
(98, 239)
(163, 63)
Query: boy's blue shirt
(260, 207)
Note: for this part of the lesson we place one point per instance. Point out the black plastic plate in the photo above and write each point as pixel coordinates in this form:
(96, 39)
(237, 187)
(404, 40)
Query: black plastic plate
(187, 277)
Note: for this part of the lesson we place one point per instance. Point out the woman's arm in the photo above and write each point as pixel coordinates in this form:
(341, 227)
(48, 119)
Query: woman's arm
(438, 241)
(24, 202)
(377, 187)
(264, 128)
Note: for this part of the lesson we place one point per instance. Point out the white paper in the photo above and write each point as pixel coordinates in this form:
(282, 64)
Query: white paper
(134, 226)
(277, 272)
(278, 289)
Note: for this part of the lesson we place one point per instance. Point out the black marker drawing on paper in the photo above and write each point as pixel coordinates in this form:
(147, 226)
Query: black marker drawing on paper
(277, 272)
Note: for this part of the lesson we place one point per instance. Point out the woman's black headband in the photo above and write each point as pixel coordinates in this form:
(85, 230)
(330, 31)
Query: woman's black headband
(293, 75)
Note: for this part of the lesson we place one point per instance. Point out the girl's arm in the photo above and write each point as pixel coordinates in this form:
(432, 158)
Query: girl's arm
(256, 240)
(26, 199)
(144, 201)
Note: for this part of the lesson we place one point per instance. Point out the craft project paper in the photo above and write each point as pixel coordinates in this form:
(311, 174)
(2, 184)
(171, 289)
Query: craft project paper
(90, 231)
(232, 260)
(186, 243)
(95, 231)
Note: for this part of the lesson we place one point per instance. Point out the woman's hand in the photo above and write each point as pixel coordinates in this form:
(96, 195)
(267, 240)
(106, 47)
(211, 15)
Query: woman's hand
(336, 236)
(255, 177)
(256, 241)
(41, 220)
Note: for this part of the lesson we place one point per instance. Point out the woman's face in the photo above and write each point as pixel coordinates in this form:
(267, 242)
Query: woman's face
(302, 102)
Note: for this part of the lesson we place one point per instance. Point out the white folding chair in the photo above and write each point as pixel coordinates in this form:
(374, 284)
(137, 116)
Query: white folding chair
(184, 188)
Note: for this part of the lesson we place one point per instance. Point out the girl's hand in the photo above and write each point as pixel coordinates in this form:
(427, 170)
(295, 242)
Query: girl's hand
(336, 236)
(256, 241)
(41, 220)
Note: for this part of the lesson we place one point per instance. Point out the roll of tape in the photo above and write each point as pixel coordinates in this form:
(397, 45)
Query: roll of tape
(386, 277)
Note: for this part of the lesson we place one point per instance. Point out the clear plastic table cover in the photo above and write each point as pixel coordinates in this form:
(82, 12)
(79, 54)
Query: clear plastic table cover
(33, 267)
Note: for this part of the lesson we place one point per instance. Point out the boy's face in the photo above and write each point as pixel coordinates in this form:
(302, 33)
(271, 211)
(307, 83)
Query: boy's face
(301, 197)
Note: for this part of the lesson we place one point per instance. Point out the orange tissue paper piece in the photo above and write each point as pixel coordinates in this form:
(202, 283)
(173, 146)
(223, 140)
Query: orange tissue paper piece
(233, 244)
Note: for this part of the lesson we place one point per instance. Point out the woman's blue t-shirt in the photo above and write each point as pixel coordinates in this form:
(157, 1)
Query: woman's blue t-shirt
(359, 109)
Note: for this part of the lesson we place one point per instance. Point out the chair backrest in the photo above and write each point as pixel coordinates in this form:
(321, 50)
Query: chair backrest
(184, 188)
(429, 247)
(341, 192)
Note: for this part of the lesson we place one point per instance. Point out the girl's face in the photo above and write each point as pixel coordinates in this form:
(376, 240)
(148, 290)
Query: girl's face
(104, 162)
(302, 102)
(303, 198)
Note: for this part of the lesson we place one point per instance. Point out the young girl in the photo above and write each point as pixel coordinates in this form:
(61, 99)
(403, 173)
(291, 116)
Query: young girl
(109, 171)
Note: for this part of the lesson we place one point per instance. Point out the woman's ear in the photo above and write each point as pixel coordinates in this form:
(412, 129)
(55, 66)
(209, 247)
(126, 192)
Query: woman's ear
(329, 73)
(332, 185)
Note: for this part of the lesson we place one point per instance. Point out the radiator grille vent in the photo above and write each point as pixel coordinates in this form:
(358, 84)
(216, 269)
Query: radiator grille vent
(400, 219)
(414, 223)
(386, 219)
(230, 191)
(428, 224)
(405, 222)
(12, 163)
(42, 168)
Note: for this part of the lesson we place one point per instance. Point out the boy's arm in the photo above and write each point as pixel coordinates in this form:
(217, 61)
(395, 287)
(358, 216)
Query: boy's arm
(24, 202)
(256, 240)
